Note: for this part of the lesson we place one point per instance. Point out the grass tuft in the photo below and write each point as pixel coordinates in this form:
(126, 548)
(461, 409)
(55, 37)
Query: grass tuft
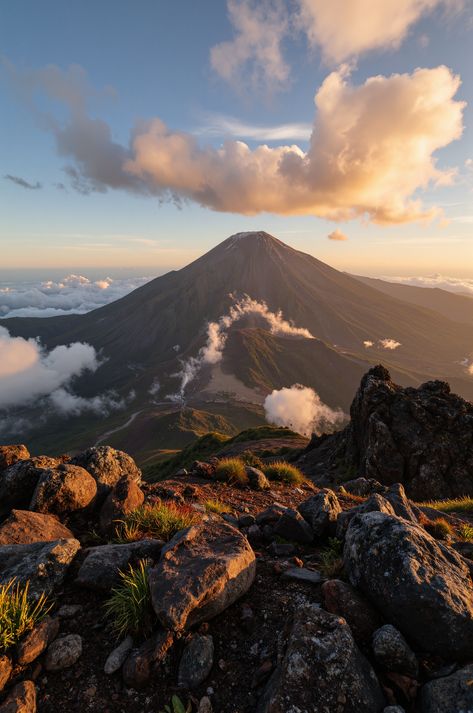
(465, 533)
(463, 504)
(231, 471)
(160, 521)
(216, 506)
(284, 473)
(331, 558)
(439, 528)
(129, 608)
(18, 614)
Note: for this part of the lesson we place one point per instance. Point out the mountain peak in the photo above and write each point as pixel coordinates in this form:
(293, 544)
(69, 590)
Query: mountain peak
(253, 239)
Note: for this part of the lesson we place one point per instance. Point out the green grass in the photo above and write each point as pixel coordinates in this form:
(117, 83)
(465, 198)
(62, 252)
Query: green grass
(202, 449)
(331, 558)
(216, 506)
(177, 706)
(463, 504)
(465, 533)
(18, 614)
(129, 608)
(160, 521)
(231, 471)
(260, 432)
(284, 473)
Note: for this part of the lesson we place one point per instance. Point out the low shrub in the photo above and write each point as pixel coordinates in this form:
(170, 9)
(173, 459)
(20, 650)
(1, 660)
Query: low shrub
(129, 608)
(232, 471)
(160, 521)
(284, 473)
(18, 613)
(216, 506)
(331, 558)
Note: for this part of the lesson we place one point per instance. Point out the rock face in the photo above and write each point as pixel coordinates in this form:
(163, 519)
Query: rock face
(17, 483)
(452, 694)
(322, 670)
(63, 490)
(125, 497)
(418, 437)
(21, 699)
(107, 465)
(375, 503)
(23, 527)
(420, 585)
(101, 568)
(44, 564)
(202, 571)
(321, 512)
(11, 454)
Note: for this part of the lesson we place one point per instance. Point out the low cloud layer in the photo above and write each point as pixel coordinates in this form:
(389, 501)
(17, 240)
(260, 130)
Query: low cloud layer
(444, 282)
(371, 151)
(301, 409)
(74, 294)
(23, 183)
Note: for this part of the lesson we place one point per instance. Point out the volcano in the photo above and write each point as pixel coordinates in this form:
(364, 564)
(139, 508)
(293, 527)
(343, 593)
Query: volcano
(146, 337)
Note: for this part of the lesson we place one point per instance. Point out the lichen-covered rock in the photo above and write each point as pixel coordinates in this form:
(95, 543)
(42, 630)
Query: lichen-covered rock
(451, 694)
(196, 661)
(101, 568)
(363, 486)
(63, 490)
(340, 598)
(201, 572)
(375, 503)
(107, 466)
(43, 564)
(396, 496)
(421, 586)
(18, 481)
(11, 454)
(63, 652)
(21, 699)
(392, 651)
(321, 512)
(322, 670)
(125, 497)
(23, 527)
(292, 526)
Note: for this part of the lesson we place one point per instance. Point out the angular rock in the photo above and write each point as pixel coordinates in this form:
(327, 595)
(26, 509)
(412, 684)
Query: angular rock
(21, 699)
(396, 496)
(301, 574)
(18, 481)
(24, 527)
(392, 651)
(282, 549)
(100, 570)
(118, 656)
(139, 665)
(417, 583)
(201, 572)
(363, 486)
(340, 598)
(63, 652)
(257, 479)
(321, 512)
(11, 454)
(196, 661)
(6, 668)
(107, 465)
(271, 515)
(322, 670)
(125, 497)
(43, 564)
(246, 520)
(452, 694)
(375, 503)
(35, 641)
(292, 526)
(63, 490)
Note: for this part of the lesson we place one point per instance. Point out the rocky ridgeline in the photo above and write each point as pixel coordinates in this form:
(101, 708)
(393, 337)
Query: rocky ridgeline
(422, 438)
(295, 600)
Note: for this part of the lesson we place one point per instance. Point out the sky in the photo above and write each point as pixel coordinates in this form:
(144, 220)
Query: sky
(136, 136)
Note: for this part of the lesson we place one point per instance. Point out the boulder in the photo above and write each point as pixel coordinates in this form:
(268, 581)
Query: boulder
(100, 570)
(363, 486)
(292, 526)
(21, 699)
(392, 651)
(257, 479)
(18, 482)
(23, 527)
(196, 661)
(63, 653)
(125, 497)
(107, 466)
(270, 515)
(396, 496)
(139, 665)
(118, 656)
(452, 694)
(201, 572)
(11, 454)
(63, 490)
(42, 564)
(322, 669)
(340, 598)
(420, 585)
(321, 512)
(375, 503)
(35, 641)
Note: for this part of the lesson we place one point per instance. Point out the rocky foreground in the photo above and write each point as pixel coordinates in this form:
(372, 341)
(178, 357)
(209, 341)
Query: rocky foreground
(290, 599)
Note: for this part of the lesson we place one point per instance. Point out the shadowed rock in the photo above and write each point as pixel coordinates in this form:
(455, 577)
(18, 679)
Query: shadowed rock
(452, 694)
(125, 497)
(18, 482)
(101, 568)
(21, 699)
(321, 512)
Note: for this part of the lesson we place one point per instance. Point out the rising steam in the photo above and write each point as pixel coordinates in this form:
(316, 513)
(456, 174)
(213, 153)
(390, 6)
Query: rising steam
(301, 409)
(217, 333)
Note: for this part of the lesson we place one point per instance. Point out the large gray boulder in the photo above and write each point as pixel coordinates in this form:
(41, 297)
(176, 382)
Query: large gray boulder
(100, 570)
(452, 694)
(420, 586)
(321, 512)
(322, 670)
(107, 465)
(201, 572)
(18, 481)
(43, 564)
(63, 490)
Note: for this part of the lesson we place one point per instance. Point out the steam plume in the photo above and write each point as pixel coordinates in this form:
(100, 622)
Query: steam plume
(300, 408)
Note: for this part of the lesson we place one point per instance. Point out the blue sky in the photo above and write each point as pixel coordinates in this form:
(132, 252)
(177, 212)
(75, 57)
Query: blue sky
(152, 59)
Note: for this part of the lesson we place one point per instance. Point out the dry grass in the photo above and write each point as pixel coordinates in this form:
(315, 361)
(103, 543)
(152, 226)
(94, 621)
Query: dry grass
(18, 614)
(216, 506)
(284, 473)
(160, 521)
(465, 533)
(331, 558)
(231, 471)
(463, 504)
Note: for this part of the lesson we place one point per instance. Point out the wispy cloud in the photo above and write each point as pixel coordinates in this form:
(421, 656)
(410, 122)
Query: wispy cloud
(23, 183)
(337, 235)
(221, 125)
